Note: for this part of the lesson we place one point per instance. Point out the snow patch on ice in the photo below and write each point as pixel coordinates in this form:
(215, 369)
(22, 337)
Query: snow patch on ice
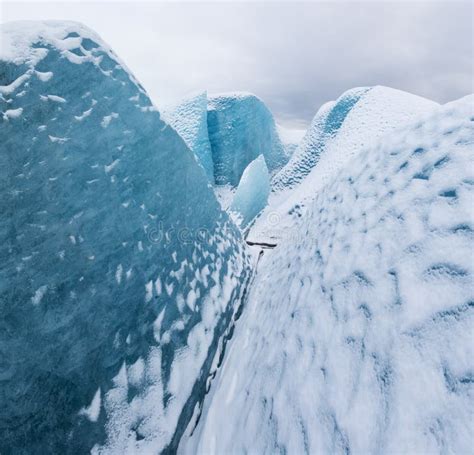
(93, 410)
(54, 98)
(12, 113)
(39, 294)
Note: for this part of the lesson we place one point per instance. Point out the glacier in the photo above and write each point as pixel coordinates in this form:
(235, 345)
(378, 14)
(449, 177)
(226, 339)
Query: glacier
(252, 193)
(240, 129)
(189, 119)
(120, 274)
(357, 334)
(203, 280)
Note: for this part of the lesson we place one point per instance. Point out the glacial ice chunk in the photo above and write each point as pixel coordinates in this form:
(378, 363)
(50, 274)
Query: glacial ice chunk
(189, 119)
(252, 193)
(240, 129)
(119, 272)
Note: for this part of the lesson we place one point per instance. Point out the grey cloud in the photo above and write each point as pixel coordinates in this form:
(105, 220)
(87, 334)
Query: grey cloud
(295, 56)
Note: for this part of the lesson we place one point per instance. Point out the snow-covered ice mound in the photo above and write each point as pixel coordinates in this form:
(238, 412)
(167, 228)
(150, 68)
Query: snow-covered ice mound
(358, 336)
(189, 119)
(119, 272)
(240, 129)
(252, 193)
(324, 126)
(340, 130)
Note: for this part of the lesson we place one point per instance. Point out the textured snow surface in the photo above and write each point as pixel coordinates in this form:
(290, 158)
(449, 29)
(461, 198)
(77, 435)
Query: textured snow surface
(119, 273)
(340, 130)
(189, 119)
(240, 129)
(252, 193)
(357, 337)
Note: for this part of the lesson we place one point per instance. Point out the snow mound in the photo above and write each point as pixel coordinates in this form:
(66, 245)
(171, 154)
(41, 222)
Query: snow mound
(252, 193)
(120, 274)
(357, 337)
(189, 119)
(240, 129)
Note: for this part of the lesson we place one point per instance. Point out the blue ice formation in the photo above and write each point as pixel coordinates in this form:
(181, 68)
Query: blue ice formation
(342, 127)
(189, 119)
(240, 129)
(119, 272)
(252, 193)
(358, 337)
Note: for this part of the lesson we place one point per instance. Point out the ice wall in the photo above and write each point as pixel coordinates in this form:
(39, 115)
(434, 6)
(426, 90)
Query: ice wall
(240, 129)
(358, 337)
(252, 193)
(119, 273)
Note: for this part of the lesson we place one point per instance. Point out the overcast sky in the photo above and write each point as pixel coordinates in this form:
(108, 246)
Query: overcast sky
(295, 56)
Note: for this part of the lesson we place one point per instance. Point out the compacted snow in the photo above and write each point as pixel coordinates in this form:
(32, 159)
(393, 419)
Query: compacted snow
(120, 274)
(357, 335)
